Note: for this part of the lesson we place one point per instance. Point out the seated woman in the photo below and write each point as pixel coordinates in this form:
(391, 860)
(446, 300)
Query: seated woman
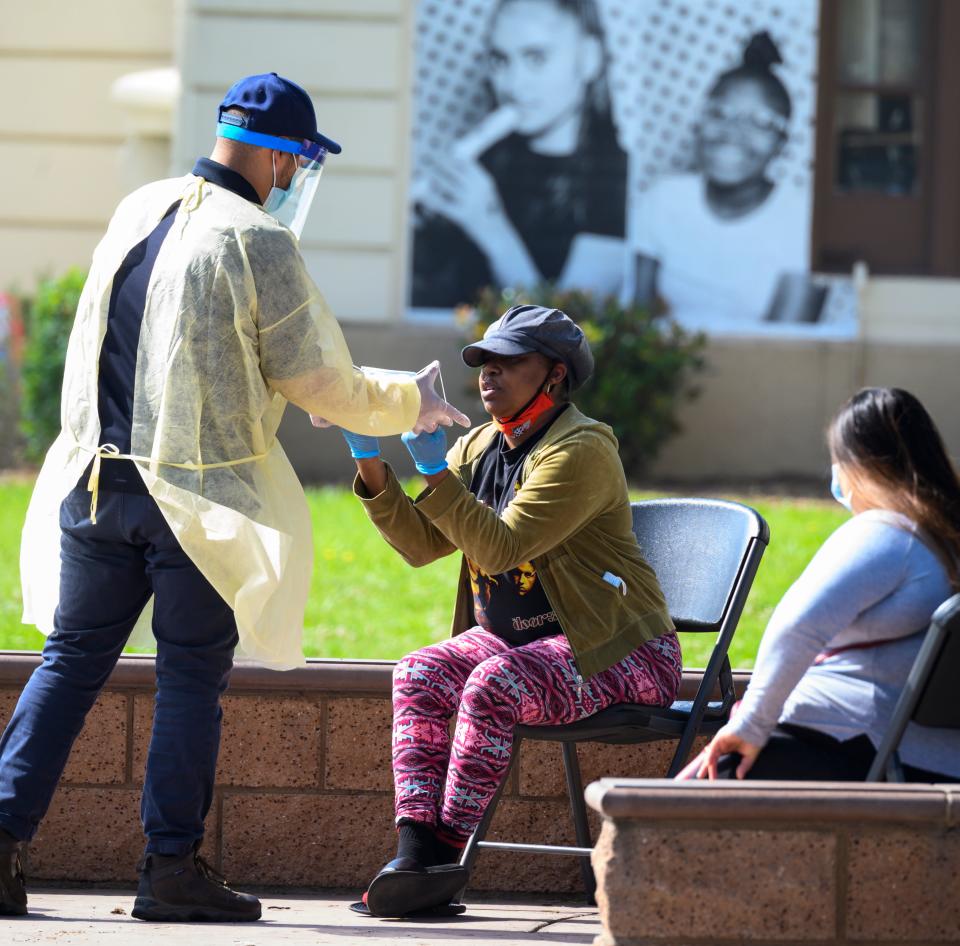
(840, 644)
(557, 616)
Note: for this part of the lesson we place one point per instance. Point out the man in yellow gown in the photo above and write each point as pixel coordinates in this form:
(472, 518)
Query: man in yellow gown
(197, 324)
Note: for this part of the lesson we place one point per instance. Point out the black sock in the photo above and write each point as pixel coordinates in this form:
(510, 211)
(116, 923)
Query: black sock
(416, 840)
(447, 846)
(446, 853)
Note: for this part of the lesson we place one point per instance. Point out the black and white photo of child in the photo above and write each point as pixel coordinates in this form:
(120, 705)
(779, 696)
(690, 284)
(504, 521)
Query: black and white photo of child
(644, 148)
(715, 242)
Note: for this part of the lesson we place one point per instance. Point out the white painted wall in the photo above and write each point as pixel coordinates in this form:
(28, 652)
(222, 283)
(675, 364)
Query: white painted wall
(61, 136)
(911, 310)
(63, 142)
(354, 58)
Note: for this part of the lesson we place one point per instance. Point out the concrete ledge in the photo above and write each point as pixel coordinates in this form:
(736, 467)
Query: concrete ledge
(304, 795)
(776, 801)
(791, 862)
(135, 672)
(319, 675)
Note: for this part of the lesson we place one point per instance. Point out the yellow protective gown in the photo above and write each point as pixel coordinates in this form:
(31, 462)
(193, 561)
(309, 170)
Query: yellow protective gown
(233, 328)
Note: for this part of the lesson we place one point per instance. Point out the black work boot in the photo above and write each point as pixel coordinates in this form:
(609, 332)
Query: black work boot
(13, 889)
(184, 888)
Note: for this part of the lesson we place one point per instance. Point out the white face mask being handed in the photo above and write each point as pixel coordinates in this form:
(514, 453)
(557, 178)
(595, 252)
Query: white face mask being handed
(292, 205)
(845, 499)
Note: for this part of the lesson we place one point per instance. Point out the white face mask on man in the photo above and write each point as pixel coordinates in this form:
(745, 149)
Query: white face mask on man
(291, 205)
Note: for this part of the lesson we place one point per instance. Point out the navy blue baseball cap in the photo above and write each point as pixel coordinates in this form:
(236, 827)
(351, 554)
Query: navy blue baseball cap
(529, 328)
(276, 107)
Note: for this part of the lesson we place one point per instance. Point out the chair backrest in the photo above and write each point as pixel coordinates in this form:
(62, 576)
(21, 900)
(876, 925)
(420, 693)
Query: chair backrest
(929, 695)
(706, 553)
(938, 704)
(700, 549)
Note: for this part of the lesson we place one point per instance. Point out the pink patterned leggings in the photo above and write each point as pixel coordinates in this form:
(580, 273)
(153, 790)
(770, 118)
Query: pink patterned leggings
(491, 687)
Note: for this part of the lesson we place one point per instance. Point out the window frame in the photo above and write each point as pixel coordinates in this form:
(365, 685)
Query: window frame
(917, 234)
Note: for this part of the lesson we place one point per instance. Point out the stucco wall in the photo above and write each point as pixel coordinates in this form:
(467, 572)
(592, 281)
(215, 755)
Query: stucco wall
(761, 414)
(61, 136)
(353, 56)
(765, 405)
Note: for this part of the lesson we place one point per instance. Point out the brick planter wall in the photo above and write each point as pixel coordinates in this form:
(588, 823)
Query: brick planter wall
(304, 794)
(776, 862)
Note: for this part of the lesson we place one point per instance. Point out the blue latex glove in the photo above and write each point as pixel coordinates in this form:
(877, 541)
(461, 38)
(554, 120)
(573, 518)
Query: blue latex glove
(361, 446)
(429, 450)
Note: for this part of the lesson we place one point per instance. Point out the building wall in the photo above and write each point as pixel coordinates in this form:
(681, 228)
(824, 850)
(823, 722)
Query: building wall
(764, 402)
(62, 138)
(353, 56)
(765, 406)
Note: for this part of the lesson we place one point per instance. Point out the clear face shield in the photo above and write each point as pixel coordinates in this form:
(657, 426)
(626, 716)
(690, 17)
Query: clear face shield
(289, 205)
(292, 205)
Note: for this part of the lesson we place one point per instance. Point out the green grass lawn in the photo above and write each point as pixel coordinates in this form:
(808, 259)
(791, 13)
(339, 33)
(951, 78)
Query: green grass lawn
(366, 602)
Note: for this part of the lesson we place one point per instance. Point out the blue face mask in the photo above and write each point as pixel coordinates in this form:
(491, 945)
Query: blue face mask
(291, 206)
(845, 500)
(277, 197)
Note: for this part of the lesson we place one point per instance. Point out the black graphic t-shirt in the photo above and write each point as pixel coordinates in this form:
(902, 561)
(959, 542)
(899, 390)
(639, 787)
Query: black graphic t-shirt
(549, 200)
(513, 605)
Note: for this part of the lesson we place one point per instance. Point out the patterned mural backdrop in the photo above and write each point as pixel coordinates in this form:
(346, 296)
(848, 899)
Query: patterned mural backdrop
(638, 147)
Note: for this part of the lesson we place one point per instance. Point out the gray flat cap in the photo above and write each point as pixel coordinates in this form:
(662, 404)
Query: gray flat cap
(527, 328)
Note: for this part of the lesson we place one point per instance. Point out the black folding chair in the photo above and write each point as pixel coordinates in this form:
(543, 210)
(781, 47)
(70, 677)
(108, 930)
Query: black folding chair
(929, 696)
(705, 553)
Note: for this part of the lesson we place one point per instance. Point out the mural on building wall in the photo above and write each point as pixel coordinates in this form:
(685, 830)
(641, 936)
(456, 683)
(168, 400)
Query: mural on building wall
(636, 147)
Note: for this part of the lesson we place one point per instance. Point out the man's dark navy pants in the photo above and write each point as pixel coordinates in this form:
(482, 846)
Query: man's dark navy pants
(109, 571)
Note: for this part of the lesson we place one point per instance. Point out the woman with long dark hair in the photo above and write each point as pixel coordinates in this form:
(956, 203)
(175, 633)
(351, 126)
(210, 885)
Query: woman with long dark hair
(537, 191)
(713, 243)
(839, 646)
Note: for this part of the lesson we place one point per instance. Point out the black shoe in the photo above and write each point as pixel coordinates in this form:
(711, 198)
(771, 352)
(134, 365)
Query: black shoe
(404, 887)
(454, 908)
(13, 888)
(185, 888)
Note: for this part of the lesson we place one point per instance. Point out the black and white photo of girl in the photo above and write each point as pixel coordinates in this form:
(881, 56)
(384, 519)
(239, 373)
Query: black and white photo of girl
(535, 190)
(652, 149)
(717, 243)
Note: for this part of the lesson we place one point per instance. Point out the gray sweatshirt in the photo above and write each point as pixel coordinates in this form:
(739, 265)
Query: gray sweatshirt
(873, 580)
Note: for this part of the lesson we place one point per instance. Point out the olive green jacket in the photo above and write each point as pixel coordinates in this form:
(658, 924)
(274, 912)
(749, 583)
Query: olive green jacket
(570, 517)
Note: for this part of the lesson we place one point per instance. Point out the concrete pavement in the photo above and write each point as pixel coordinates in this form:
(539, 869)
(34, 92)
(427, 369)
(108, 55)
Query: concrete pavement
(70, 917)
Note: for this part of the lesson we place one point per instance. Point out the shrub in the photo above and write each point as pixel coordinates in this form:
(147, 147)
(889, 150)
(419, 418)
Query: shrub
(644, 363)
(48, 318)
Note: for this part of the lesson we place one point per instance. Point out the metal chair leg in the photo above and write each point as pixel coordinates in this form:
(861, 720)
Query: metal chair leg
(469, 856)
(578, 809)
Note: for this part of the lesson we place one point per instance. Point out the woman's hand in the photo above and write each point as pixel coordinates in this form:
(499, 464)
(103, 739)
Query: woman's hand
(365, 450)
(724, 742)
(461, 190)
(362, 446)
(428, 449)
